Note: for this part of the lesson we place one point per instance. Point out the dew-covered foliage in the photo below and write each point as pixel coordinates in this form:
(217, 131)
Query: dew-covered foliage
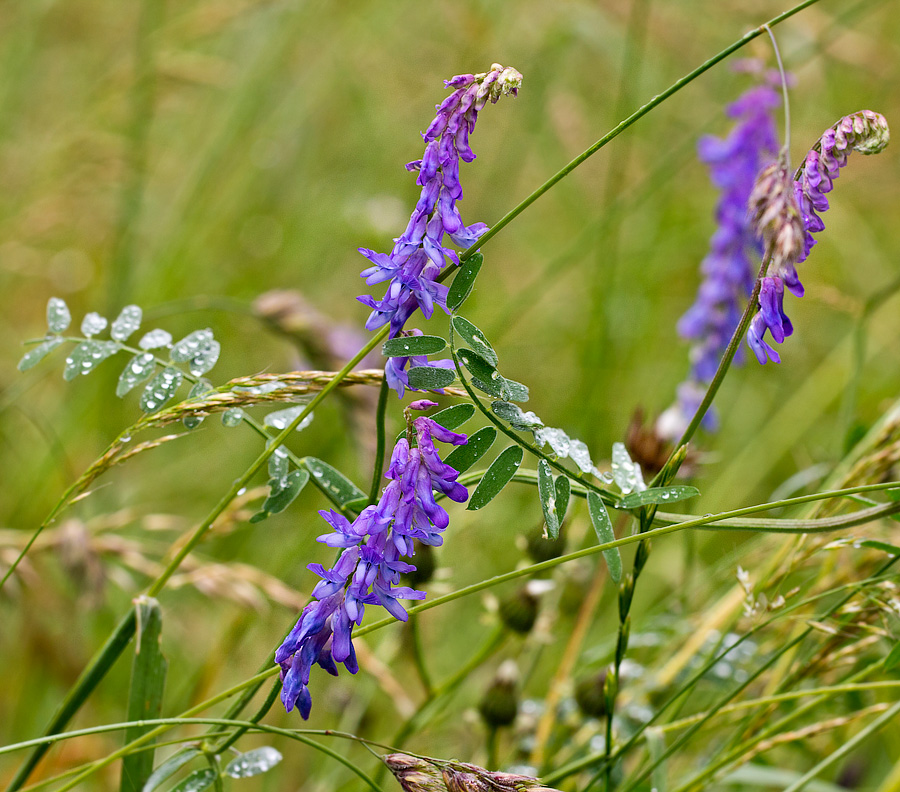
(527, 514)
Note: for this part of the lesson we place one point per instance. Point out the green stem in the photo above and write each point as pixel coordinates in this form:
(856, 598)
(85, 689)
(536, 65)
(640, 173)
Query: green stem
(379, 440)
(415, 635)
(160, 723)
(635, 116)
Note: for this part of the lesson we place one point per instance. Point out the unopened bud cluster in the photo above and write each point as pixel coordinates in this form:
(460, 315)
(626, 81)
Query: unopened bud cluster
(421, 775)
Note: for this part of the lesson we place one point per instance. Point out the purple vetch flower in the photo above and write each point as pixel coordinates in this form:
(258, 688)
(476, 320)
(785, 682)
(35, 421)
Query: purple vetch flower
(786, 214)
(419, 254)
(367, 572)
(728, 272)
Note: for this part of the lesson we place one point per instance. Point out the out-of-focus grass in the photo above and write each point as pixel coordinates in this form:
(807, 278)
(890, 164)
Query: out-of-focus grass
(275, 148)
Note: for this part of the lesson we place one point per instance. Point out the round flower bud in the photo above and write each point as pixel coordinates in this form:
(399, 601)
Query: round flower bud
(590, 694)
(519, 611)
(500, 703)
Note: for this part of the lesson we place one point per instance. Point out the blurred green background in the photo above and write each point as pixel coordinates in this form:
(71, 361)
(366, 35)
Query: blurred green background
(190, 156)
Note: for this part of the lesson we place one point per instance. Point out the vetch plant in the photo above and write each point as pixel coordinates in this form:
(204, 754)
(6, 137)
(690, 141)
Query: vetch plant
(583, 673)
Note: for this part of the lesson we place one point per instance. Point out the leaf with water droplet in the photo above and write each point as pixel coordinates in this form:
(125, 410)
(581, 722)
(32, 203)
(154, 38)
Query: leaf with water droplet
(563, 491)
(407, 346)
(279, 463)
(462, 284)
(515, 416)
(581, 456)
(657, 495)
(453, 417)
(430, 377)
(171, 766)
(200, 388)
(496, 477)
(155, 339)
(138, 369)
(282, 492)
(58, 315)
(484, 376)
(475, 339)
(557, 439)
(281, 419)
(232, 417)
(547, 493)
(627, 474)
(126, 323)
(161, 389)
(516, 391)
(36, 354)
(604, 530)
(463, 457)
(251, 763)
(92, 324)
(199, 350)
(192, 421)
(87, 356)
(197, 781)
(334, 484)
(893, 659)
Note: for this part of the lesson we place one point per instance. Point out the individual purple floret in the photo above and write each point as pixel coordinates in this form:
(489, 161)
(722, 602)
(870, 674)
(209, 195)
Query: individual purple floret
(368, 569)
(728, 273)
(786, 215)
(419, 254)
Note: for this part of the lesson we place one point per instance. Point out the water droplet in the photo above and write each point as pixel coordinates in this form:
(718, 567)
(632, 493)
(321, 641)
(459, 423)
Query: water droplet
(232, 417)
(155, 339)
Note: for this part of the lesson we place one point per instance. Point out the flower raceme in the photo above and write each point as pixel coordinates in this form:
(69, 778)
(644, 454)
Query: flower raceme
(785, 214)
(419, 254)
(368, 569)
(727, 270)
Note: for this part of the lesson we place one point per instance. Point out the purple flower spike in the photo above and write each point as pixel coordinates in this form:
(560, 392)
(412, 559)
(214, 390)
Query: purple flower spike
(368, 570)
(419, 254)
(786, 216)
(864, 131)
(728, 273)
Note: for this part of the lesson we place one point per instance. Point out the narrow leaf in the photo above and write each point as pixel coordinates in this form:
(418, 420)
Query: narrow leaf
(283, 491)
(893, 658)
(454, 417)
(475, 339)
(58, 315)
(407, 346)
(334, 484)
(93, 323)
(874, 544)
(197, 781)
(36, 354)
(657, 495)
(485, 376)
(126, 323)
(252, 763)
(547, 493)
(604, 530)
(279, 464)
(281, 419)
(87, 356)
(155, 339)
(627, 474)
(138, 369)
(168, 768)
(516, 391)
(463, 457)
(148, 678)
(497, 476)
(462, 284)
(161, 389)
(515, 416)
(430, 377)
(563, 490)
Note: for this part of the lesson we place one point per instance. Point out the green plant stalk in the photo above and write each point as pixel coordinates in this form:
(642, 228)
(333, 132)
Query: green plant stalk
(474, 588)
(593, 759)
(846, 748)
(159, 584)
(636, 116)
(751, 678)
(430, 706)
(294, 734)
(231, 739)
(379, 440)
(415, 635)
(714, 767)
